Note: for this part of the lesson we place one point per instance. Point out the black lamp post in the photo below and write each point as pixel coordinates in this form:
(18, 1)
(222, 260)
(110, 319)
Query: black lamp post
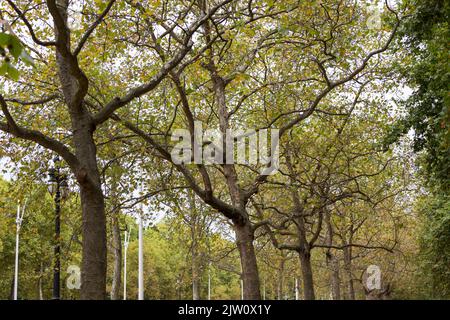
(58, 186)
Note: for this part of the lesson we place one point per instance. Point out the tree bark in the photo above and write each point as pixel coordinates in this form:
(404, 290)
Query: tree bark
(93, 274)
(304, 246)
(40, 282)
(335, 281)
(332, 261)
(243, 227)
(195, 279)
(349, 274)
(195, 267)
(192, 221)
(250, 275)
(307, 275)
(74, 85)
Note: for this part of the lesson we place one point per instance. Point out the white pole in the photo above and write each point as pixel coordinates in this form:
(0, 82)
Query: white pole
(141, 260)
(16, 264)
(125, 268)
(264, 288)
(125, 245)
(296, 289)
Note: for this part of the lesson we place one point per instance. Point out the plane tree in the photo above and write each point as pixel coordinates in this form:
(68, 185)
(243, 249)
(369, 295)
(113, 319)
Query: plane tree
(63, 91)
(270, 66)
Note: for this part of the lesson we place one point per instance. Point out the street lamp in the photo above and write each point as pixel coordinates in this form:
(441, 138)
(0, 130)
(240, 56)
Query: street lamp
(59, 188)
(125, 246)
(141, 259)
(19, 219)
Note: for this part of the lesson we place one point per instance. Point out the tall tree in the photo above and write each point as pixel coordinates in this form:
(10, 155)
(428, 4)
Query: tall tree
(244, 72)
(73, 52)
(427, 71)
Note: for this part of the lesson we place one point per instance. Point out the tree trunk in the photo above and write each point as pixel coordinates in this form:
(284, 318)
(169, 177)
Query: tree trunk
(250, 275)
(349, 274)
(93, 275)
(117, 247)
(280, 280)
(307, 275)
(332, 261)
(40, 282)
(242, 226)
(195, 268)
(195, 280)
(304, 246)
(11, 291)
(194, 247)
(75, 85)
(335, 281)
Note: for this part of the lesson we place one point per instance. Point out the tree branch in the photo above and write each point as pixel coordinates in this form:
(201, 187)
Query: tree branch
(36, 136)
(29, 26)
(118, 102)
(91, 29)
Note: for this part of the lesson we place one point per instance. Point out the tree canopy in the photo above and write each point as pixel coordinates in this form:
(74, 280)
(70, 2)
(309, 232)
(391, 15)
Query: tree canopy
(141, 110)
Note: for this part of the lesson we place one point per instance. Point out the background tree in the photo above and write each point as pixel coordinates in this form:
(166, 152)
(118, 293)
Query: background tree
(424, 37)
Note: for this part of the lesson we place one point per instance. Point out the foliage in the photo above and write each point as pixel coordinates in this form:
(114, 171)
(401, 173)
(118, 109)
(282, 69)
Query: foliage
(426, 35)
(12, 49)
(434, 258)
(111, 84)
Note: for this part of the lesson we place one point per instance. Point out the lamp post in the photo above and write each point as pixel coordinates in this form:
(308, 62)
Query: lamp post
(264, 288)
(19, 219)
(125, 246)
(58, 186)
(141, 260)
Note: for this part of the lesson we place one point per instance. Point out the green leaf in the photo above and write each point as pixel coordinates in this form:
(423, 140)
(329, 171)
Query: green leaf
(13, 73)
(3, 69)
(15, 47)
(4, 39)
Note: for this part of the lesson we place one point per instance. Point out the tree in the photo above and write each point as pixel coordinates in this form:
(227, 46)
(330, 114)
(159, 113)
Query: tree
(329, 172)
(110, 86)
(69, 60)
(425, 41)
(425, 34)
(244, 65)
